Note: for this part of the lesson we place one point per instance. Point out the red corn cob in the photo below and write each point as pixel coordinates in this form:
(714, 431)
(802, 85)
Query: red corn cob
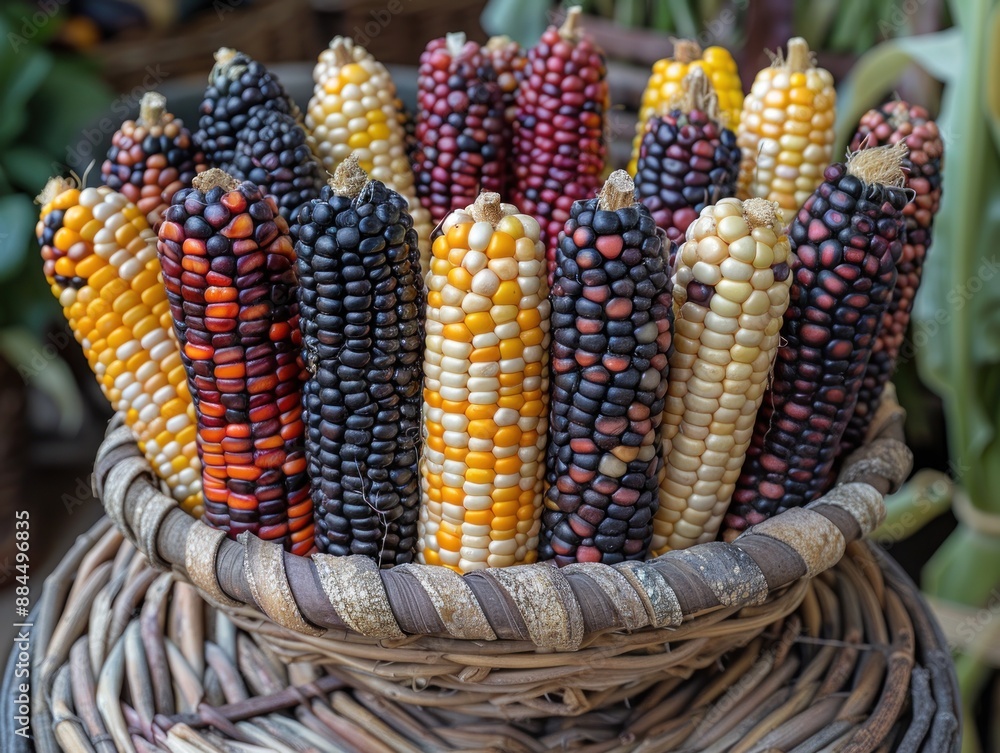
(460, 126)
(892, 123)
(509, 62)
(848, 238)
(559, 148)
(228, 267)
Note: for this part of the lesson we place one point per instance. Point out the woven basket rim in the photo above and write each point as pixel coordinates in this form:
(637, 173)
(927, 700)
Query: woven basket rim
(553, 608)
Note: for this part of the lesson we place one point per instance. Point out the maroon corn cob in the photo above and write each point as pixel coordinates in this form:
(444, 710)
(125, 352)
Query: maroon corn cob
(559, 147)
(892, 123)
(460, 126)
(228, 268)
(509, 62)
(847, 238)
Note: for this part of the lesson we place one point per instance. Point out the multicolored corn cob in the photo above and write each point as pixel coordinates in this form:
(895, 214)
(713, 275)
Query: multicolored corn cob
(508, 61)
(361, 307)
(611, 334)
(228, 270)
(100, 259)
(151, 158)
(272, 152)
(892, 123)
(354, 110)
(786, 129)
(665, 83)
(559, 147)
(687, 160)
(461, 126)
(236, 84)
(847, 239)
(731, 283)
(486, 390)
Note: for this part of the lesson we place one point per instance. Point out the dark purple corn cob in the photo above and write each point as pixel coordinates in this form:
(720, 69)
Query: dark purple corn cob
(460, 127)
(847, 238)
(509, 62)
(272, 151)
(892, 123)
(236, 84)
(687, 160)
(361, 304)
(611, 338)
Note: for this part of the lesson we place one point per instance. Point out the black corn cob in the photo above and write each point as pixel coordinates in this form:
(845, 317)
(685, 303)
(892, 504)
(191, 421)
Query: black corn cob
(236, 84)
(687, 160)
(892, 123)
(611, 338)
(272, 151)
(362, 306)
(847, 238)
(228, 269)
(460, 126)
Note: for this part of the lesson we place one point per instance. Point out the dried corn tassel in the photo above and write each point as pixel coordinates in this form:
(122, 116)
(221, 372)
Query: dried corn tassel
(361, 303)
(611, 334)
(666, 79)
(228, 269)
(731, 284)
(100, 259)
(847, 240)
(786, 131)
(892, 123)
(485, 390)
(354, 110)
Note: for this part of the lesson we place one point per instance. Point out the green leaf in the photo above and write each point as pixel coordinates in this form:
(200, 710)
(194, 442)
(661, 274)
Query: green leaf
(17, 224)
(27, 167)
(629, 13)
(662, 19)
(14, 96)
(991, 82)
(684, 20)
(813, 19)
(521, 20)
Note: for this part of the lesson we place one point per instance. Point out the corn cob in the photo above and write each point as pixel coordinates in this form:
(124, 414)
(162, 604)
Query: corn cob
(666, 79)
(611, 334)
(354, 110)
(361, 307)
(890, 124)
(460, 126)
(847, 240)
(731, 284)
(100, 260)
(151, 158)
(687, 160)
(508, 61)
(228, 270)
(559, 147)
(785, 133)
(272, 152)
(236, 84)
(485, 390)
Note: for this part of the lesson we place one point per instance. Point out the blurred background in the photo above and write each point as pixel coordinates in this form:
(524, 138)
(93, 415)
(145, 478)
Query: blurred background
(72, 70)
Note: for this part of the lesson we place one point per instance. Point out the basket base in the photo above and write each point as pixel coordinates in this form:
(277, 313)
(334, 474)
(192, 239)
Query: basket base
(859, 663)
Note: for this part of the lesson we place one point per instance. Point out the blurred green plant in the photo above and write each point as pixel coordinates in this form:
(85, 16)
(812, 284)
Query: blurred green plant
(957, 313)
(45, 99)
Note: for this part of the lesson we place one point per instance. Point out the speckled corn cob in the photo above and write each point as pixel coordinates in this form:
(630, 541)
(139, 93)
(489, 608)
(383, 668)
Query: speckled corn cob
(151, 158)
(485, 390)
(611, 334)
(361, 305)
(687, 160)
(665, 83)
(461, 126)
(228, 270)
(354, 110)
(731, 283)
(100, 259)
(559, 147)
(508, 61)
(786, 129)
(889, 124)
(847, 240)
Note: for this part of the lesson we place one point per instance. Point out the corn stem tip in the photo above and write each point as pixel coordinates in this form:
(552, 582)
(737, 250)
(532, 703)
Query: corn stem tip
(880, 165)
(487, 208)
(799, 58)
(759, 212)
(53, 187)
(349, 179)
(214, 178)
(224, 55)
(686, 50)
(617, 193)
(455, 41)
(152, 108)
(570, 28)
(342, 48)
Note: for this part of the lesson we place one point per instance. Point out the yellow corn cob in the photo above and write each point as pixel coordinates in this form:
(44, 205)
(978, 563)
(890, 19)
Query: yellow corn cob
(100, 259)
(786, 129)
(354, 110)
(665, 83)
(731, 288)
(485, 390)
